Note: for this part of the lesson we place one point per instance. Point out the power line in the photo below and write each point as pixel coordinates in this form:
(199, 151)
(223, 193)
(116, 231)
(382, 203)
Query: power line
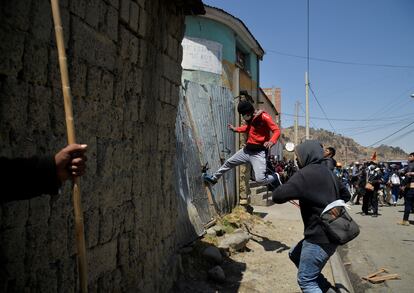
(402, 135)
(373, 126)
(341, 62)
(356, 133)
(391, 118)
(395, 132)
(320, 106)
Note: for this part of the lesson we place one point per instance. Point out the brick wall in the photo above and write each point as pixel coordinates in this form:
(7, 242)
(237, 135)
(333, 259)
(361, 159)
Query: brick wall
(124, 62)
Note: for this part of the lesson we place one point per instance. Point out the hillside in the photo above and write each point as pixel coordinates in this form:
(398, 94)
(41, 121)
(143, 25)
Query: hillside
(347, 150)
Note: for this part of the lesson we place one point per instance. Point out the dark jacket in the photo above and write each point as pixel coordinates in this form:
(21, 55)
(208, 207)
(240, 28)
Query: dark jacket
(329, 162)
(314, 186)
(24, 178)
(409, 168)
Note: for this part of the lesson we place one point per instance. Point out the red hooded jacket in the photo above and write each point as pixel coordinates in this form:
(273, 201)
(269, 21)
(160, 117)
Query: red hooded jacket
(259, 128)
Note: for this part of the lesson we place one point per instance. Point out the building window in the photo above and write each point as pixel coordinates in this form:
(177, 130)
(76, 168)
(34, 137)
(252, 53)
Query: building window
(242, 59)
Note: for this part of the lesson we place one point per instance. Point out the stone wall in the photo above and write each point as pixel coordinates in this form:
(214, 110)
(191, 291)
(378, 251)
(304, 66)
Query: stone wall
(124, 61)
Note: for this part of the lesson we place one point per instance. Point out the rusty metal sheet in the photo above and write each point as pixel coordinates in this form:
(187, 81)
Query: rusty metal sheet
(203, 137)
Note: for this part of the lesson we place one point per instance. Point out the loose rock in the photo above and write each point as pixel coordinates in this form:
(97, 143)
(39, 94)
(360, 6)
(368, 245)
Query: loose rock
(211, 232)
(235, 241)
(213, 253)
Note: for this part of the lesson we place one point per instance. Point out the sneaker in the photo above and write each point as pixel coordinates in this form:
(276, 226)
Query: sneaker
(209, 178)
(275, 183)
(404, 223)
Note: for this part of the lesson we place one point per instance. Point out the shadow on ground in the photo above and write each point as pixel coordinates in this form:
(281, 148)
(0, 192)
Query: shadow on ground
(194, 276)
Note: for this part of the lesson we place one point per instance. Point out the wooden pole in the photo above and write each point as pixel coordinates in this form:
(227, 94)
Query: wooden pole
(67, 97)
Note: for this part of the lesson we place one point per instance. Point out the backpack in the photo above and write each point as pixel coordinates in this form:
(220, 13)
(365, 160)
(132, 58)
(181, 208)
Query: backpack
(395, 179)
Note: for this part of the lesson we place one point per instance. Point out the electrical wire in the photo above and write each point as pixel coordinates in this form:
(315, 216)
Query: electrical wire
(341, 62)
(372, 126)
(395, 132)
(372, 131)
(401, 136)
(352, 120)
(320, 106)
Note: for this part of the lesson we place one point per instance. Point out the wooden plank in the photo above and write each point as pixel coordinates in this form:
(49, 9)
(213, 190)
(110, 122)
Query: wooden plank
(383, 278)
(382, 270)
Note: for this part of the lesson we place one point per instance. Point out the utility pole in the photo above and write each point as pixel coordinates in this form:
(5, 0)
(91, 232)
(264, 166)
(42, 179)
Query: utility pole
(296, 127)
(296, 121)
(307, 104)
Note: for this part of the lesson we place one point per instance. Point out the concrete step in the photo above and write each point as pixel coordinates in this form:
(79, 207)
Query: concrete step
(258, 190)
(261, 199)
(253, 184)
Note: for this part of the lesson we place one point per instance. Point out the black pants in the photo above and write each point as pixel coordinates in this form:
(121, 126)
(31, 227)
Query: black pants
(408, 204)
(357, 194)
(370, 199)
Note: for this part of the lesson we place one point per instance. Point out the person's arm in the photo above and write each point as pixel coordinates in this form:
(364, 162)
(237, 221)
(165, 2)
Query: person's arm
(25, 178)
(272, 126)
(343, 191)
(242, 128)
(288, 191)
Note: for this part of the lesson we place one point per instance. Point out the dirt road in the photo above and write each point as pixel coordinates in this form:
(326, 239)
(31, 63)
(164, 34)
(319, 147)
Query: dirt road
(264, 266)
(382, 243)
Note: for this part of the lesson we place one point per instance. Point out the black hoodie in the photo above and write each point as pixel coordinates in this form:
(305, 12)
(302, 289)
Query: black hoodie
(314, 186)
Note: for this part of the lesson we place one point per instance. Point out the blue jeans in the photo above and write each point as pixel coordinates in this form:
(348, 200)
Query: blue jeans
(310, 258)
(395, 189)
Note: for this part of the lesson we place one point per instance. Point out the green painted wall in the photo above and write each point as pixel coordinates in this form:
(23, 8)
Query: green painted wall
(199, 27)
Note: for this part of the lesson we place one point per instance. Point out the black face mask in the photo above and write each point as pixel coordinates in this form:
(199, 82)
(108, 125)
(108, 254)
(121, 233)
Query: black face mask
(247, 117)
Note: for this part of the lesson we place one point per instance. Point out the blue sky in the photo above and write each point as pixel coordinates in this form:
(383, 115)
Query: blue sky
(377, 36)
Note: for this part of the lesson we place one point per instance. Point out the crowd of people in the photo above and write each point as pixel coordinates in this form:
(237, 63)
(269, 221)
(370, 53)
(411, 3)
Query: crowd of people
(374, 184)
(370, 183)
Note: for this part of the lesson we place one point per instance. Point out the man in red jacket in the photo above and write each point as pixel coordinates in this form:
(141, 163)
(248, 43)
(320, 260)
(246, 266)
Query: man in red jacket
(259, 126)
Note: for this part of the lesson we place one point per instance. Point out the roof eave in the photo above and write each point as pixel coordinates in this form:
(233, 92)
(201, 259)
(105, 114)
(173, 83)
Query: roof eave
(237, 25)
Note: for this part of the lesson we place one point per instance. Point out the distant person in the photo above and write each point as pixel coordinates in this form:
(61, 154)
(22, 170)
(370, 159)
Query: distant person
(328, 159)
(395, 182)
(314, 185)
(25, 178)
(408, 184)
(386, 174)
(370, 198)
(258, 127)
(359, 185)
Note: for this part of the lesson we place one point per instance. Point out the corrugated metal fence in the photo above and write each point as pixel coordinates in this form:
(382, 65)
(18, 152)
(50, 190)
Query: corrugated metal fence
(203, 137)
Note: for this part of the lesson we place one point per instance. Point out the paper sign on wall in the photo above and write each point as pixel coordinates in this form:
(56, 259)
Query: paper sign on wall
(201, 54)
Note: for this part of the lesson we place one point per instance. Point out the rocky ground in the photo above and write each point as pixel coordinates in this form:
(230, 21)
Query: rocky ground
(259, 264)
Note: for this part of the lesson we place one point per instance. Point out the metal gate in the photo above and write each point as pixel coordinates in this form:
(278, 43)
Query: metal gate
(204, 111)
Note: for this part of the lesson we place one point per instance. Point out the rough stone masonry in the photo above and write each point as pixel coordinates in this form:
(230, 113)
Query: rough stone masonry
(124, 61)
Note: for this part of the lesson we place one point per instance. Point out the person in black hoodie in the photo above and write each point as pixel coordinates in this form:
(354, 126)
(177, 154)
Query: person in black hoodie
(314, 185)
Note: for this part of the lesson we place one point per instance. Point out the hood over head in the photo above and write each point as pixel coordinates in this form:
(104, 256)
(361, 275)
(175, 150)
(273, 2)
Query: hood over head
(309, 152)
